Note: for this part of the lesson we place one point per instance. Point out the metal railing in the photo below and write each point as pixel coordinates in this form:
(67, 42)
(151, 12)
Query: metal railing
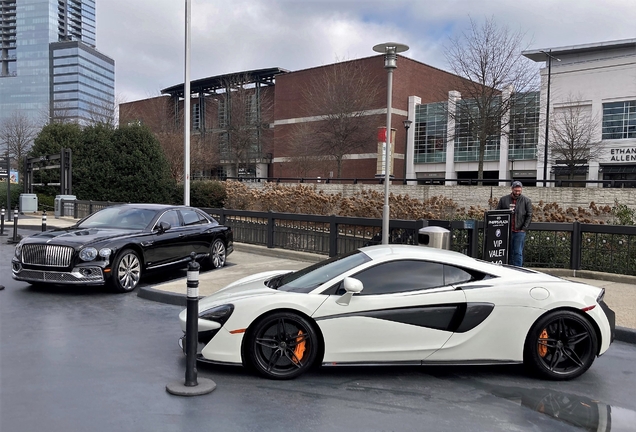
(435, 181)
(577, 246)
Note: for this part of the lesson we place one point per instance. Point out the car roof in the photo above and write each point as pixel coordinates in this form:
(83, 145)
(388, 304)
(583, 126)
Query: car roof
(152, 206)
(383, 252)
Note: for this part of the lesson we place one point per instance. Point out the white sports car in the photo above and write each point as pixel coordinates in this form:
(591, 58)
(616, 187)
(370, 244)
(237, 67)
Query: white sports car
(410, 305)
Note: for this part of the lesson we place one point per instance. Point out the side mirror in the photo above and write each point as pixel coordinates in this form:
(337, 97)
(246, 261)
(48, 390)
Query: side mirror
(352, 286)
(164, 226)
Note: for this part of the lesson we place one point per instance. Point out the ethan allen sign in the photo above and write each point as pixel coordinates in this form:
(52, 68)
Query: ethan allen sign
(623, 154)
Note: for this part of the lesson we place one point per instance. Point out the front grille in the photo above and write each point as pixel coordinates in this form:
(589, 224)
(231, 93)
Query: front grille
(47, 255)
(58, 277)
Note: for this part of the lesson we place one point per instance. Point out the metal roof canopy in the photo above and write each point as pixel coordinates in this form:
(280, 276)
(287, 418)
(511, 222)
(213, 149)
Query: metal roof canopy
(618, 169)
(211, 84)
(541, 56)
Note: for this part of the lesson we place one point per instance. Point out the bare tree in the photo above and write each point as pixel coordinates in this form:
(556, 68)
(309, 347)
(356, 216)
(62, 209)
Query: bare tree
(17, 133)
(341, 95)
(158, 115)
(487, 60)
(105, 113)
(305, 160)
(574, 135)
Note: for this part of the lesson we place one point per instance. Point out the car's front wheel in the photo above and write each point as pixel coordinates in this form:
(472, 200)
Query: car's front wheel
(126, 271)
(283, 345)
(218, 254)
(561, 345)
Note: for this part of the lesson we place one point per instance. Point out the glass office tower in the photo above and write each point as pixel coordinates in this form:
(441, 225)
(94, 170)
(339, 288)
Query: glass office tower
(49, 67)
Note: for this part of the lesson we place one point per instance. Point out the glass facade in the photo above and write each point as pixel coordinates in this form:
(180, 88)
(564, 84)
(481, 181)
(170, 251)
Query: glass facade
(524, 127)
(30, 78)
(467, 141)
(431, 123)
(83, 83)
(619, 120)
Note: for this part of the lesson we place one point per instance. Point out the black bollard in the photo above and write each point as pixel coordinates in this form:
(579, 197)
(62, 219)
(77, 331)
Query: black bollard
(43, 220)
(192, 322)
(2, 222)
(192, 386)
(15, 226)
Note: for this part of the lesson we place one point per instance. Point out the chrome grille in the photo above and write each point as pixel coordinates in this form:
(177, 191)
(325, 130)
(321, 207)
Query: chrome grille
(47, 255)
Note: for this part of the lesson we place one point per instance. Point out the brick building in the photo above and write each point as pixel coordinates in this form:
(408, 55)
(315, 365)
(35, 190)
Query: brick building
(272, 130)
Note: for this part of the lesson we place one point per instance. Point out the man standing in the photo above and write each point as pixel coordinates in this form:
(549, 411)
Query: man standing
(521, 207)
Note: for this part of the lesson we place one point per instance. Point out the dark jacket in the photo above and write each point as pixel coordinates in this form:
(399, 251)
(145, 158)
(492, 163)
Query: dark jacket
(523, 210)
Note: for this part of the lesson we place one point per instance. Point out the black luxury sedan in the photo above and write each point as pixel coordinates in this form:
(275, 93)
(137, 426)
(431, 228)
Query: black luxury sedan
(118, 244)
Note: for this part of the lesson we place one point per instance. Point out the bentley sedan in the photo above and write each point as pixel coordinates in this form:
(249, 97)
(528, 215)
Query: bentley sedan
(404, 305)
(118, 245)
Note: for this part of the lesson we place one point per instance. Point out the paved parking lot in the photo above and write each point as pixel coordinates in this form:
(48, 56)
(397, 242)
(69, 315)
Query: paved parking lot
(75, 359)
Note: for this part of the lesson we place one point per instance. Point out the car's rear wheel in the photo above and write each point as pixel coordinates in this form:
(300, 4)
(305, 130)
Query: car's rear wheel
(126, 271)
(218, 254)
(561, 345)
(283, 345)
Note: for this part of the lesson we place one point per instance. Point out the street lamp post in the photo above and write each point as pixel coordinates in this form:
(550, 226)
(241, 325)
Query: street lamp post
(186, 109)
(547, 116)
(407, 125)
(390, 50)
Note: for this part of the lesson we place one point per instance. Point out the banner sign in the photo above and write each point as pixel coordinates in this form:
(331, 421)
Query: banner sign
(497, 236)
(4, 167)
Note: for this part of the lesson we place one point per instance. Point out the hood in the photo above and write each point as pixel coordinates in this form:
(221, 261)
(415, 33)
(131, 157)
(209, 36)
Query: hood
(249, 286)
(76, 237)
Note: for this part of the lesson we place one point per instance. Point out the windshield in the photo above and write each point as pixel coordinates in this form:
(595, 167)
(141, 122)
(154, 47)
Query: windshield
(311, 277)
(119, 217)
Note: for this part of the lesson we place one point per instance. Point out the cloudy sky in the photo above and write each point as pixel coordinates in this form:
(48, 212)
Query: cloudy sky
(146, 38)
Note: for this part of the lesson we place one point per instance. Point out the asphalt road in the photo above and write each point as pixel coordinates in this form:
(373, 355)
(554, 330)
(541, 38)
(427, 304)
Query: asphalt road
(83, 359)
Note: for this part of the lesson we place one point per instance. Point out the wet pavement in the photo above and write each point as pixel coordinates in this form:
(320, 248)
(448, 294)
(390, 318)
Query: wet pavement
(79, 359)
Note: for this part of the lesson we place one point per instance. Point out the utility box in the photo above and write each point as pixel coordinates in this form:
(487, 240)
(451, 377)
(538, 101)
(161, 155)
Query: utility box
(68, 205)
(434, 236)
(28, 203)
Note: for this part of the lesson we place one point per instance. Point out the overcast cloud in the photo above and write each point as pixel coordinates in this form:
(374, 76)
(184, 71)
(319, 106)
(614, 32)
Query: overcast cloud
(146, 38)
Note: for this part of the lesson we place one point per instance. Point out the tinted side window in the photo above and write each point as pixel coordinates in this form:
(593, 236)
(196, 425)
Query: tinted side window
(172, 217)
(190, 217)
(455, 275)
(401, 276)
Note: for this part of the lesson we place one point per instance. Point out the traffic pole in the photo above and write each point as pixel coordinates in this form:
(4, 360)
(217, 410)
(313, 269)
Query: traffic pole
(43, 220)
(192, 318)
(2, 222)
(192, 386)
(15, 226)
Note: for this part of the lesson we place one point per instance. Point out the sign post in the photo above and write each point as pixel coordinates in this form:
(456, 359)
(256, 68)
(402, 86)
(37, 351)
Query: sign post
(5, 172)
(497, 236)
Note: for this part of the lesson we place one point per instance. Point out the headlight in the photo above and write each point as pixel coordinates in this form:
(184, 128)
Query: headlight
(105, 253)
(218, 314)
(88, 254)
(18, 250)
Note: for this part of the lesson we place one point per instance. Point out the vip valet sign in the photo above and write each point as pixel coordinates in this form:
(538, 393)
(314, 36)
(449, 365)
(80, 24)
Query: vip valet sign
(497, 236)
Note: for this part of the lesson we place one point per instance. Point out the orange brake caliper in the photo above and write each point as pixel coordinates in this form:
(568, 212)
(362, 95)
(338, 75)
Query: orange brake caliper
(543, 337)
(300, 348)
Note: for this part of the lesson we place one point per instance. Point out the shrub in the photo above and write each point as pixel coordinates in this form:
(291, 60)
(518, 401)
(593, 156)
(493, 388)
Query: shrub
(207, 193)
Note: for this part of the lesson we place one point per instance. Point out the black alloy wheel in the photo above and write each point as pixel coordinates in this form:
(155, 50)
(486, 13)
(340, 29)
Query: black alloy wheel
(283, 345)
(126, 271)
(218, 254)
(561, 345)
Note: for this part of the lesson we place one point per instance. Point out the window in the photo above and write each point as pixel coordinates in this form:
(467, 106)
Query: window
(430, 132)
(172, 217)
(196, 117)
(619, 120)
(192, 217)
(401, 276)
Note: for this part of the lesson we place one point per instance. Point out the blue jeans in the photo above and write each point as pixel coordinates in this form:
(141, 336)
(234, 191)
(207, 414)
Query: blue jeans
(517, 241)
